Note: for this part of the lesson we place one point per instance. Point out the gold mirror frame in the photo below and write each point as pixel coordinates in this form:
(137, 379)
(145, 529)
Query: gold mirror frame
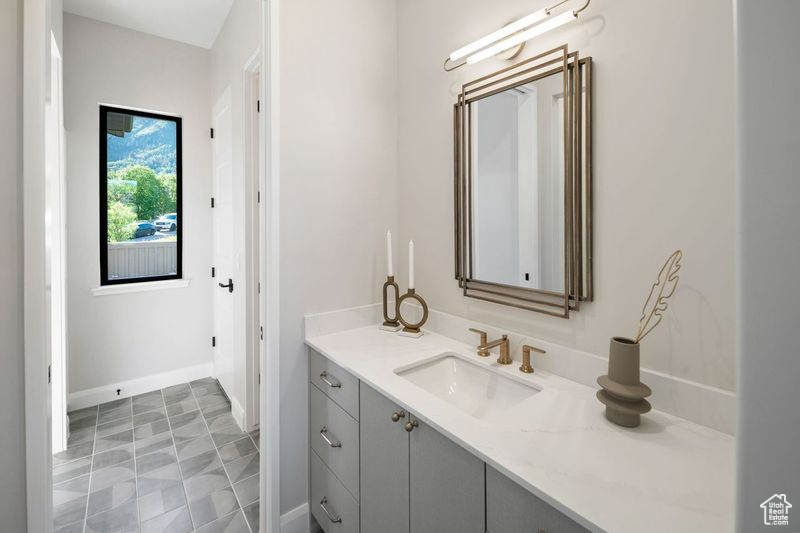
(578, 241)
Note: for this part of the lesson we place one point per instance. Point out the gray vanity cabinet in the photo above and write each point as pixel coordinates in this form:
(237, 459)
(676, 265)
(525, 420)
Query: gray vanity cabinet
(414, 481)
(512, 509)
(384, 466)
(333, 450)
(374, 468)
(447, 485)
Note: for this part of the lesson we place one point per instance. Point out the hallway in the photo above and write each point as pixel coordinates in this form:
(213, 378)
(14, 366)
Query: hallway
(171, 460)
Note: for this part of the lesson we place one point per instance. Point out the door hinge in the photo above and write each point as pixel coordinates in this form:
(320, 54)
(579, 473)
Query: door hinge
(48, 373)
(213, 342)
(259, 287)
(262, 333)
(258, 106)
(212, 133)
(259, 378)
(259, 196)
(212, 202)
(213, 272)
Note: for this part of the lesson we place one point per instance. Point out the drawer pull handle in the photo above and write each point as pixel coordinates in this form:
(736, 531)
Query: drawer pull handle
(333, 518)
(332, 384)
(396, 416)
(324, 433)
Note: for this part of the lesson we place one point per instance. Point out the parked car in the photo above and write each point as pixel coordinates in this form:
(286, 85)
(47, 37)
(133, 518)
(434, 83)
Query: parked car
(168, 222)
(144, 229)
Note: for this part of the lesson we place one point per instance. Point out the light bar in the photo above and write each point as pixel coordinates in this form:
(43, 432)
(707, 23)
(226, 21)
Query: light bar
(502, 33)
(520, 38)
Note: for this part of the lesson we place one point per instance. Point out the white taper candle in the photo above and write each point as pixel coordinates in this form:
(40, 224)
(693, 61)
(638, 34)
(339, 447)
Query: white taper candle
(390, 269)
(410, 264)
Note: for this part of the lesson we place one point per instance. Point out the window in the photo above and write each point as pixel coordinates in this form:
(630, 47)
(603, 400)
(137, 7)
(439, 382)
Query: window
(140, 196)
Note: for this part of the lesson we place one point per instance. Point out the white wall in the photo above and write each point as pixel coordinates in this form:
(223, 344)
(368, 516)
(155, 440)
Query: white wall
(550, 181)
(338, 136)
(663, 169)
(236, 43)
(768, 260)
(57, 21)
(12, 394)
(496, 188)
(129, 336)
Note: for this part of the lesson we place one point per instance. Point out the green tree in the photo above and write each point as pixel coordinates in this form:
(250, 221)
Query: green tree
(121, 222)
(150, 196)
(170, 185)
(120, 191)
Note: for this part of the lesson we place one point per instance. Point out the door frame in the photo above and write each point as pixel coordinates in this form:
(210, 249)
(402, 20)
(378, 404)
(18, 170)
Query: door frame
(56, 202)
(36, 33)
(252, 213)
(38, 443)
(269, 252)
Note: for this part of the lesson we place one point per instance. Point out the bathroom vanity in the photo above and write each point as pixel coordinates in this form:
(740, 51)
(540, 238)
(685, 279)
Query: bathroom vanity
(422, 435)
(376, 467)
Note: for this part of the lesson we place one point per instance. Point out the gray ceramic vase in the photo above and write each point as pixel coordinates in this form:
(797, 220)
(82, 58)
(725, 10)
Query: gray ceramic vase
(622, 393)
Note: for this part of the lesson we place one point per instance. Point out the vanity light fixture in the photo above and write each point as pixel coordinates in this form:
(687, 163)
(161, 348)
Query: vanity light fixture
(514, 34)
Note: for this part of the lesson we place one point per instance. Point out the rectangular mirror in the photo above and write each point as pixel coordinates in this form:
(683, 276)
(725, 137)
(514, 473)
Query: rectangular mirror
(523, 184)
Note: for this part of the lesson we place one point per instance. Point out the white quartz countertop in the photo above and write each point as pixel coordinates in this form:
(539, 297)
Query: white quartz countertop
(667, 475)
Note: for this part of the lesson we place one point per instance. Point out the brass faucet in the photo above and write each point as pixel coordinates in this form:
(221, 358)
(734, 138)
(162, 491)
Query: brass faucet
(526, 358)
(484, 347)
(482, 350)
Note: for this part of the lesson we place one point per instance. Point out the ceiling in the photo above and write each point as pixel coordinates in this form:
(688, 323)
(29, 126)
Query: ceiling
(194, 22)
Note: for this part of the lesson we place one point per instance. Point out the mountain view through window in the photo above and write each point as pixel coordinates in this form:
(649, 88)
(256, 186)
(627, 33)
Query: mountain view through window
(140, 183)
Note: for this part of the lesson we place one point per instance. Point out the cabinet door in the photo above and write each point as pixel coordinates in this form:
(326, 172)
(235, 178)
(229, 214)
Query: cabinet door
(447, 485)
(384, 466)
(510, 508)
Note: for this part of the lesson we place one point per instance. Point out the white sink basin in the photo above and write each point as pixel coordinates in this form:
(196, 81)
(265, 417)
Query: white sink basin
(475, 389)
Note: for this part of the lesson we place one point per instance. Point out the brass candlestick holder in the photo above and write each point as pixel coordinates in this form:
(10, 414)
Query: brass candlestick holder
(411, 329)
(390, 323)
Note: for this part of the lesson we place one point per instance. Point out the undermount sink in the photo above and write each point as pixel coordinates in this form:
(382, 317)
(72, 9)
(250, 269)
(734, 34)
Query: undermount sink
(477, 390)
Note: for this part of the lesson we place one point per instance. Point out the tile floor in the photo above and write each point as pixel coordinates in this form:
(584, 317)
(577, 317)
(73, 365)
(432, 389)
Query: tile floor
(171, 461)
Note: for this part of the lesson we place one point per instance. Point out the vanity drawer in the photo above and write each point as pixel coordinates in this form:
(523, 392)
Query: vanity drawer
(336, 383)
(327, 491)
(341, 453)
(510, 508)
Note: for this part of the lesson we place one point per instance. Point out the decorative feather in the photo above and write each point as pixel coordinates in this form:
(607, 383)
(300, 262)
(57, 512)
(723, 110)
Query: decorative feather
(662, 290)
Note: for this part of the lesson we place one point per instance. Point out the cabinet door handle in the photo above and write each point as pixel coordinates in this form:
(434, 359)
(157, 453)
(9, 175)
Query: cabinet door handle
(332, 384)
(397, 415)
(410, 425)
(324, 433)
(332, 517)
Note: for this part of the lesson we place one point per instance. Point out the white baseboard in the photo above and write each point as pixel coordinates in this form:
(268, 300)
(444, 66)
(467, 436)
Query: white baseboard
(106, 393)
(237, 412)
(297, 521)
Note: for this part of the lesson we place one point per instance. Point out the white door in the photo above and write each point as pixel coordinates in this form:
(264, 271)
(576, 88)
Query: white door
(223, 237)
(528, 188)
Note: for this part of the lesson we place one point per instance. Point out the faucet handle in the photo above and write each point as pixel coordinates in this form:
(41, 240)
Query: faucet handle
(483, 351)
(529, 349)
(483, 334)
(526, 358)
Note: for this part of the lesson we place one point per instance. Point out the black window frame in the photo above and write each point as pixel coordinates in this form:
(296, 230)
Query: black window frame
(103, 199)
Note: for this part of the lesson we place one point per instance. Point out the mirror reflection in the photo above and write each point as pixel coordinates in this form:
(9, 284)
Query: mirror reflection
(517, 185)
